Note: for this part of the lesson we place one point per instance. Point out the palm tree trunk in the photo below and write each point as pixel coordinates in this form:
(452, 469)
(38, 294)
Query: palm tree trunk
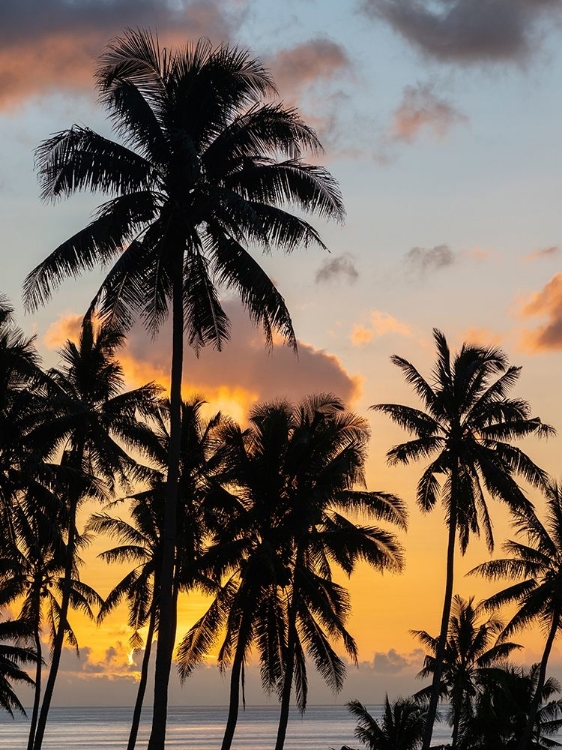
(234, 700)
(442, 642)
(287, 680)
(59, 637)
(165, 645)
(37, 695)
(525, 741)
(143, 680)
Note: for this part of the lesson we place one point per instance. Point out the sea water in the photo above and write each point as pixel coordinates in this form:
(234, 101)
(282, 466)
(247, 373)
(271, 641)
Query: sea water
(193, 728)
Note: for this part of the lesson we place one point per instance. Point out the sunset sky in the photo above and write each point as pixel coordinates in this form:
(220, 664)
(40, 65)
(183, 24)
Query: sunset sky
(441, 121)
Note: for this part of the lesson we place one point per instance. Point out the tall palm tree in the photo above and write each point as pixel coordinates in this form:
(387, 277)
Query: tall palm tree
(539, 595)
(400, 727)
(466, 430)
(92, 419)
(204, 170)
(470, 650)
(141, 539)
(294, 470)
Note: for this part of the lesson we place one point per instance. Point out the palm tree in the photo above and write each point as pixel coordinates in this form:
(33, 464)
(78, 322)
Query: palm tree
(92, 419)
(141, 540)
(12, 658)
(469, 651)
(32, 572)
(400, 728)
(538, 595)
(294, 470)
(197, 181)
(502, 707)
(466, 430)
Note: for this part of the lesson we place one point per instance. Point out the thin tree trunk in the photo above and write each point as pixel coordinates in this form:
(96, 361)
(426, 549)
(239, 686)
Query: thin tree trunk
(525, 741)
(143, 680)
(59, 637)
(289, 669)
(165, 645)
(38, 669)
(234, 695)
(287, 680)
(442, 642)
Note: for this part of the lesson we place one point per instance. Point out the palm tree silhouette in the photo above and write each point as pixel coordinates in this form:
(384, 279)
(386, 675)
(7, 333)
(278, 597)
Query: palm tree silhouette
(92, 419)
(197, 180)
(470, 650)
(32, 573)
(539, 563)
(13, 660)
(400, 727)
(466, 430)
(141, 539)
(294, 471)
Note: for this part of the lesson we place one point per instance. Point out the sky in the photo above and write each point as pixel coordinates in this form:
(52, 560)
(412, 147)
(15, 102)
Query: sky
(441, 121)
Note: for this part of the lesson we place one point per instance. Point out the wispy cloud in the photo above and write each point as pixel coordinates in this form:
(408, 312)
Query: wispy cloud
(423, 259)
(422, 109)
(379, 324)
(468, 31)
(337, 268)
(543, 253)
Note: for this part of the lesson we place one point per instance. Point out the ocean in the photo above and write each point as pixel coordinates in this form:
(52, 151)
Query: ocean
(199, 728)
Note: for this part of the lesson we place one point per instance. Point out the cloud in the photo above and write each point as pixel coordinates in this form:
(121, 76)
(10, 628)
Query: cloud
(468, 31)
(392, 662)
(340, 267)
(48, 45)
(66, 327)
(303, 65)
(422, 109)
(244, 372)
(480, 337)
(380, 324)
(422, 259)
(546, 303)
(542, 254)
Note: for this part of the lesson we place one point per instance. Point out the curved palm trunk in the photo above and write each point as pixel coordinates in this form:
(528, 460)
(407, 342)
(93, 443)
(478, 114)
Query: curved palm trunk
(165, 645)
(442, 642)
(525, 741)
(234, 700)
(37, 695)
(59, 637)
(288, 678)
(143, 681)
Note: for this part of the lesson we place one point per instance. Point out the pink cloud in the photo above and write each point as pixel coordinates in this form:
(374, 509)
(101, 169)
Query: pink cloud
(53, 45)
(244, 372)
(542, 254)
(422, 109)
(547, 304)
(305, 64)
(380, 324)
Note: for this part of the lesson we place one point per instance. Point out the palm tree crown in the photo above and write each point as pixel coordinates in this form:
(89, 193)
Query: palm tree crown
(466, 431)
(539, 595)
(203, 171)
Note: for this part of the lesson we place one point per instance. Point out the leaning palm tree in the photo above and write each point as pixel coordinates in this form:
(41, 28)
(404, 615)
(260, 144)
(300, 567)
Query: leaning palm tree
(204, 172)
(471, 649)
(539, 564)
(92, 419)
(400, 727)
(466, 430)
